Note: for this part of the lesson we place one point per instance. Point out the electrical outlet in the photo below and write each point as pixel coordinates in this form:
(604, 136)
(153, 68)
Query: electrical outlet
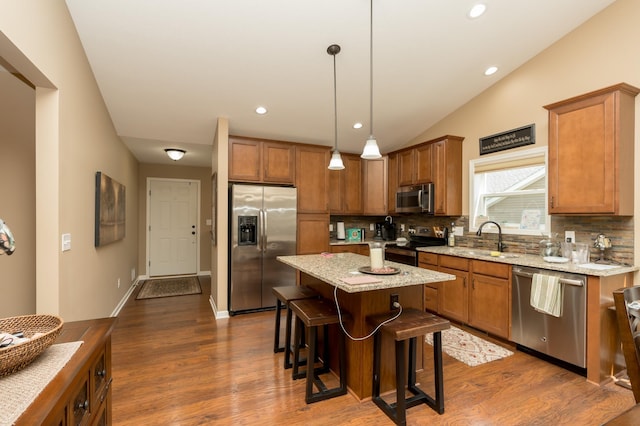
(133, 274)
(331, 227)
(458, 231)
(402, 227)
(372, 227)
(394, 299)
(118, 282)
(570, 236)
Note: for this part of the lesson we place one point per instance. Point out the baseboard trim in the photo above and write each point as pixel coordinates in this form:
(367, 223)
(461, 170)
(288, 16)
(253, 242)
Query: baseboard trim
(216, 314)
(124, 299)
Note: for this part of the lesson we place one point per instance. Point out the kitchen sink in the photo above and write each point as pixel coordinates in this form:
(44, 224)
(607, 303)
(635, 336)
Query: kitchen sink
(488, 253)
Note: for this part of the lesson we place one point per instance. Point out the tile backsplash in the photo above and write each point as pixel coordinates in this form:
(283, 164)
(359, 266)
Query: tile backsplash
(587, 228)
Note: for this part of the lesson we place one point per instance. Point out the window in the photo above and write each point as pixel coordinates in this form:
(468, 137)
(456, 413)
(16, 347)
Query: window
(510, 189)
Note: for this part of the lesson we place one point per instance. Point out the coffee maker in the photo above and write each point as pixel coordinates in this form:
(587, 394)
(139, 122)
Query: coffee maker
(385, 230)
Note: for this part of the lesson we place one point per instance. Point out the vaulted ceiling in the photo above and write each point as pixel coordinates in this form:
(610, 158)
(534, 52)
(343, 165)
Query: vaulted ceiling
(167, 69)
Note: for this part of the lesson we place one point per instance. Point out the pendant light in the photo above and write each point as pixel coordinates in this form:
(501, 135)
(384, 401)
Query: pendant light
(336, 159)
(371, 150)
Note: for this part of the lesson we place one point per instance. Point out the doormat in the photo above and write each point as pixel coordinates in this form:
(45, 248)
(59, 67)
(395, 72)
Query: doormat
(467, 348)
(168, 287)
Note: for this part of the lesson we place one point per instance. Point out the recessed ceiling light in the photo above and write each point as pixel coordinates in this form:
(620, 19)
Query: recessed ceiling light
(357, 126)
(261, 110)
(477, 10)
(490, 70)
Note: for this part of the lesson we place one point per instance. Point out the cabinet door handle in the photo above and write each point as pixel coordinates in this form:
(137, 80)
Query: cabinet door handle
(551, 201)
(83, 405)
(101, 373)
(464, 282)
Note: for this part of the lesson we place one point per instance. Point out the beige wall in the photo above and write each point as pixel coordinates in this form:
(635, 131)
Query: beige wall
(17, 186)
(201, 174)
(600, 53)
(74, 138)
(219, 272)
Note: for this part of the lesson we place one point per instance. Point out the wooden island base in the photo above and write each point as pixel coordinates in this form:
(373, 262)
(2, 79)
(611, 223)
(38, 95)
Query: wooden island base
(360, 352)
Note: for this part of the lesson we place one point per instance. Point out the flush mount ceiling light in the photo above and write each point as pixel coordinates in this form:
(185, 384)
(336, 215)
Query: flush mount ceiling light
(371, 150)
(174, 153)
(490, 70)
(336, 159)
(477, 10)
(261, 110)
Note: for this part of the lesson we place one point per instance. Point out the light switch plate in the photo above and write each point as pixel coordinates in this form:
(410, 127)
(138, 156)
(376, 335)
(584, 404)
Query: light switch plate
(458, 231)
(66, 242)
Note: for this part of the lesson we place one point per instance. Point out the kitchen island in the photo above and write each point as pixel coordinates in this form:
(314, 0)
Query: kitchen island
(325, 273)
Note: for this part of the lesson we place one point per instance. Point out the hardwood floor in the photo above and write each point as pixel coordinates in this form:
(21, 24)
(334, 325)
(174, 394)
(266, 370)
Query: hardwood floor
(174, 364)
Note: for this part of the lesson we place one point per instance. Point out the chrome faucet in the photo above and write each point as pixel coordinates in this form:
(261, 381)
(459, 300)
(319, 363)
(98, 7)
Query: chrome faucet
(501, 246)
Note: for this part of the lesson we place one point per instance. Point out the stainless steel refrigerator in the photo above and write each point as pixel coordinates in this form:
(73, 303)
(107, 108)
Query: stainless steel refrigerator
(262, 225)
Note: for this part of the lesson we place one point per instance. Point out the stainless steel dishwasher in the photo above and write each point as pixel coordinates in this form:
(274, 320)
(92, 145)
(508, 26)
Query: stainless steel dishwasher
(562, 338)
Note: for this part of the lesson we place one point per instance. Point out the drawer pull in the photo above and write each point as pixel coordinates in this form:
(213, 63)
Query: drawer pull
(83, 405)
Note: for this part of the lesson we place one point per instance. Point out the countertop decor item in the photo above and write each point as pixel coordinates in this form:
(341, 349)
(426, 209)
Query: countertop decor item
(42, 331)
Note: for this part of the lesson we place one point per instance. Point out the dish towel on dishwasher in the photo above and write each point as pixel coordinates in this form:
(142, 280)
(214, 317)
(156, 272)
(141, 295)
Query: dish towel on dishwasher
(546, 294)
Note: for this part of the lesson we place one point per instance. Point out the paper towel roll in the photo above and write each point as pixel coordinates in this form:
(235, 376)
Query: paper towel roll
(340, 232)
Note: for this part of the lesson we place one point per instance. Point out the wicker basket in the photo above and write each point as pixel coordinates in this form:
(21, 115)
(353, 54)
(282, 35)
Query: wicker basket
(16, 357)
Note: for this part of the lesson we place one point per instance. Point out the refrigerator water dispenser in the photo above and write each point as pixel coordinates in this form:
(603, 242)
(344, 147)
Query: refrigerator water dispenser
(247, 235)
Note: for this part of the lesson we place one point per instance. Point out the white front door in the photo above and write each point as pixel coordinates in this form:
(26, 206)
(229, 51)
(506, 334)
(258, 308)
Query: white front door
(173, 226)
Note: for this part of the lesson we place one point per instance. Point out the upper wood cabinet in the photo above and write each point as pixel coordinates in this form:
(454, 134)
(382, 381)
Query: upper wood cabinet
(591, 152)
(447, 175)
(392, 182)
(415, 165)
(438, 161)
(345, 194)
(375, 186)
(262, 161)
(312, 179)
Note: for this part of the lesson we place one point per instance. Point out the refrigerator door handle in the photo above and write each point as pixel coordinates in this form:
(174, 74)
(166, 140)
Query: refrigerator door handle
(263, 231)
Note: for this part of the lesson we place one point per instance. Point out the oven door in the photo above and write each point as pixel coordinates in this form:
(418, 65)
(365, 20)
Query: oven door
(401, 255)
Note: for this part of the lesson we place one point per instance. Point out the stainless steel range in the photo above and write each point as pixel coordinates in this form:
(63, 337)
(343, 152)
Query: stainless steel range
(408, 253)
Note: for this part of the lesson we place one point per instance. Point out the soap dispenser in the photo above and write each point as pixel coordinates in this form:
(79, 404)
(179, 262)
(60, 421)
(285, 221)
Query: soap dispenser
(452, 238)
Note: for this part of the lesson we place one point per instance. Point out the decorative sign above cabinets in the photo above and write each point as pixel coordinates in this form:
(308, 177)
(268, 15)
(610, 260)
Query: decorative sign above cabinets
(512, 139)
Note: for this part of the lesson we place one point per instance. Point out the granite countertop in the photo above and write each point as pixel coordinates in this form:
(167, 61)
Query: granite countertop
(331, 267)
(533, 261)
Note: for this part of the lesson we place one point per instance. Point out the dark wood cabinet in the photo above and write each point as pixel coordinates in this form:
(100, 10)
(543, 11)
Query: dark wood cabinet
(312, 233)
(80, 394)
(392, 182)
(312, 180)
(438, 161)
(261, 161)
(345, 195)
(447, 175)
(490, 297)
(591, 152)
(375, 186)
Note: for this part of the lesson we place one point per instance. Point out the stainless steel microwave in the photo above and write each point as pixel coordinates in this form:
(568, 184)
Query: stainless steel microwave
(415, 199)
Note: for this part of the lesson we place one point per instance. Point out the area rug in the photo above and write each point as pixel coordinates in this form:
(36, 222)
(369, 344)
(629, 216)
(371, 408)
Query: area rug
(470, 349)
(152, 289)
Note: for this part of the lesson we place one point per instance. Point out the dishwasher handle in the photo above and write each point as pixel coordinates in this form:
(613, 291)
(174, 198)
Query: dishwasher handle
(568, 281)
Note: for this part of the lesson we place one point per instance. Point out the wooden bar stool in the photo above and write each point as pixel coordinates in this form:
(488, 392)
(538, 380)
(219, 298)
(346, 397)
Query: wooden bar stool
(284, 295)
(314, 313)
(409, 326)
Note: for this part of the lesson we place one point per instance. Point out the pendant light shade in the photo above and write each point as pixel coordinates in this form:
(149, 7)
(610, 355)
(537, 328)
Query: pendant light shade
(336, 159)
(174, 153)
(371, 150)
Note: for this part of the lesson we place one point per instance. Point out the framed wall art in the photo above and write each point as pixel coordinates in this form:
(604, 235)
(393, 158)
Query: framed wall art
(110, 210)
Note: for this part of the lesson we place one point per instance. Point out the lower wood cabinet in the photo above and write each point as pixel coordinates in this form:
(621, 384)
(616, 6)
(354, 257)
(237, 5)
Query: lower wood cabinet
(362, 249)
(480, 296)
(81, 392)
(490, 297)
